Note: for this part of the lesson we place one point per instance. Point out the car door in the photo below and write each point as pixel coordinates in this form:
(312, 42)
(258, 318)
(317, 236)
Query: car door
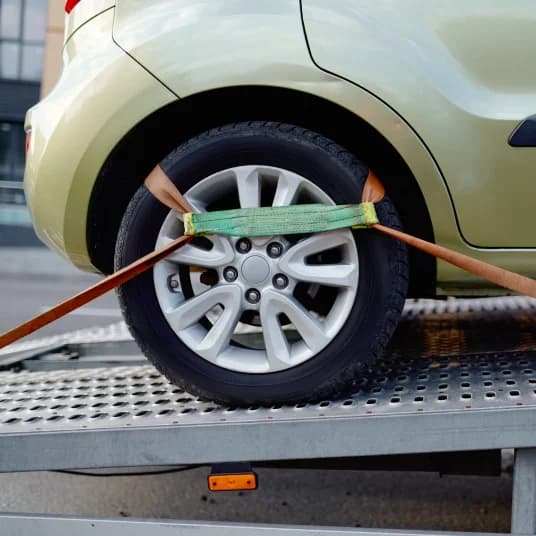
(463, 76)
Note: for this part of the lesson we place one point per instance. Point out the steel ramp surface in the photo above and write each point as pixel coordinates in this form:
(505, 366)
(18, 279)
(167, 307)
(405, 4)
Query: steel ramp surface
(443, 388)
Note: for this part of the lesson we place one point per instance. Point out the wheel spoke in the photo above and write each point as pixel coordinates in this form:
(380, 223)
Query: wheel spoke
(288, 185)
(275, 342)
(307, 325)
(309, 328)
(190, 311)
(196, 204)
(248, 185)
(294, 261)
(221, 253)
(217, 339)
(197, 207)
(331, 275)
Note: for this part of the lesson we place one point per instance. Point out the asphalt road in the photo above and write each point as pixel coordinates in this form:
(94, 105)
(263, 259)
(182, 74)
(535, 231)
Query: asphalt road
(35, 279)
(362, 498)
(366, 499)
(25, 296)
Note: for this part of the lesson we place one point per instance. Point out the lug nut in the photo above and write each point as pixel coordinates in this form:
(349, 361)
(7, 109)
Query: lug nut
(274, 249)
(230, 274)
(243, 245)
(173, 284)
(253, 295)
(280, 281)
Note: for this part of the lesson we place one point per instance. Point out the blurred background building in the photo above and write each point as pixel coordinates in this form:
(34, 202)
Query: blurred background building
(31, 37)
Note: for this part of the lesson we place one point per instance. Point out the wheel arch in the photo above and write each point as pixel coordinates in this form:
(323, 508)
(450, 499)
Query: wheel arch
(154, 137)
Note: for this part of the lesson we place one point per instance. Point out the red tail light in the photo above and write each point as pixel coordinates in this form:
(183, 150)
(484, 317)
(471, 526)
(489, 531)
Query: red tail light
(69, 5)
(28, 140)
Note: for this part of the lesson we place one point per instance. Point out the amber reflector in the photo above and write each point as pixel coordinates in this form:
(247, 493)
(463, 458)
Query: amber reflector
(238, 482)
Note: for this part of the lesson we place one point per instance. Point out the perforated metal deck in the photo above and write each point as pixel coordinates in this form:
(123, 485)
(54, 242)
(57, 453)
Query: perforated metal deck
(443, 386)
(121, 397)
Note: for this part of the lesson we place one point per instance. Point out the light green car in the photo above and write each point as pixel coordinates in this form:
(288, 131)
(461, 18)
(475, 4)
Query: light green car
(275, 102)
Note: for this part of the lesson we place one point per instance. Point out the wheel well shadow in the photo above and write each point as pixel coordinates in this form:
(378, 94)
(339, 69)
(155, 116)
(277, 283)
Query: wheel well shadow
(154, 137)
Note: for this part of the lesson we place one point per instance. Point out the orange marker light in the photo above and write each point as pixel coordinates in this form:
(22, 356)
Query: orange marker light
(232, 482)
(232, 477)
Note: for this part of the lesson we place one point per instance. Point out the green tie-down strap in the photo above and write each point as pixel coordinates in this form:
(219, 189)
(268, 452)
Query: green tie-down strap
(268, 221)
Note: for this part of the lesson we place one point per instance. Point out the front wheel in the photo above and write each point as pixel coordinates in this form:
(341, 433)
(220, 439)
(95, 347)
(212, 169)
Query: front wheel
(263, 320)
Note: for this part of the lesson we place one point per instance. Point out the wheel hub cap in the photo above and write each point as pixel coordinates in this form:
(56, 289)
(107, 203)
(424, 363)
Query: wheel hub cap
(255, 269)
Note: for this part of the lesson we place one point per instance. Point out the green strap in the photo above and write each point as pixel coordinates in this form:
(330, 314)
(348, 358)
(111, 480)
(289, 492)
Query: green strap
(268, 221)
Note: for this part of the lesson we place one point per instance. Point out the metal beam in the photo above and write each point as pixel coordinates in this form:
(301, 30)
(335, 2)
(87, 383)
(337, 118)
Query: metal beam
(16, 525)
(327, 438)
(524, 492)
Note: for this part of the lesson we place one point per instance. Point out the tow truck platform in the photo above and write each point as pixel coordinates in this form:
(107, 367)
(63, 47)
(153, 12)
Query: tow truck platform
(459, 376)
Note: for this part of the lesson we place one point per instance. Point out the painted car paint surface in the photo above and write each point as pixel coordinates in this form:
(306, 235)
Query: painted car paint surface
(445, 85)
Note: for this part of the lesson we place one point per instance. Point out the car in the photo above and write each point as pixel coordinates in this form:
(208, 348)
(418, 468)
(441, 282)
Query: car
(274, 103)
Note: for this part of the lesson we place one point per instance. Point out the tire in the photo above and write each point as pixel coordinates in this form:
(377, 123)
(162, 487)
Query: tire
(307, 368)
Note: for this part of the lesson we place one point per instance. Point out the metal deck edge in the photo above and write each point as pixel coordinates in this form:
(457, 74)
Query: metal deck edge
(255, 441)
(16, 524)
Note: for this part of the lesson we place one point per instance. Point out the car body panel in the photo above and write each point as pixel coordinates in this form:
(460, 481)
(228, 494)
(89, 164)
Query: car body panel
(463, 76)
(216, 44)
(101, 94)
(181, 48)
(227, 46)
